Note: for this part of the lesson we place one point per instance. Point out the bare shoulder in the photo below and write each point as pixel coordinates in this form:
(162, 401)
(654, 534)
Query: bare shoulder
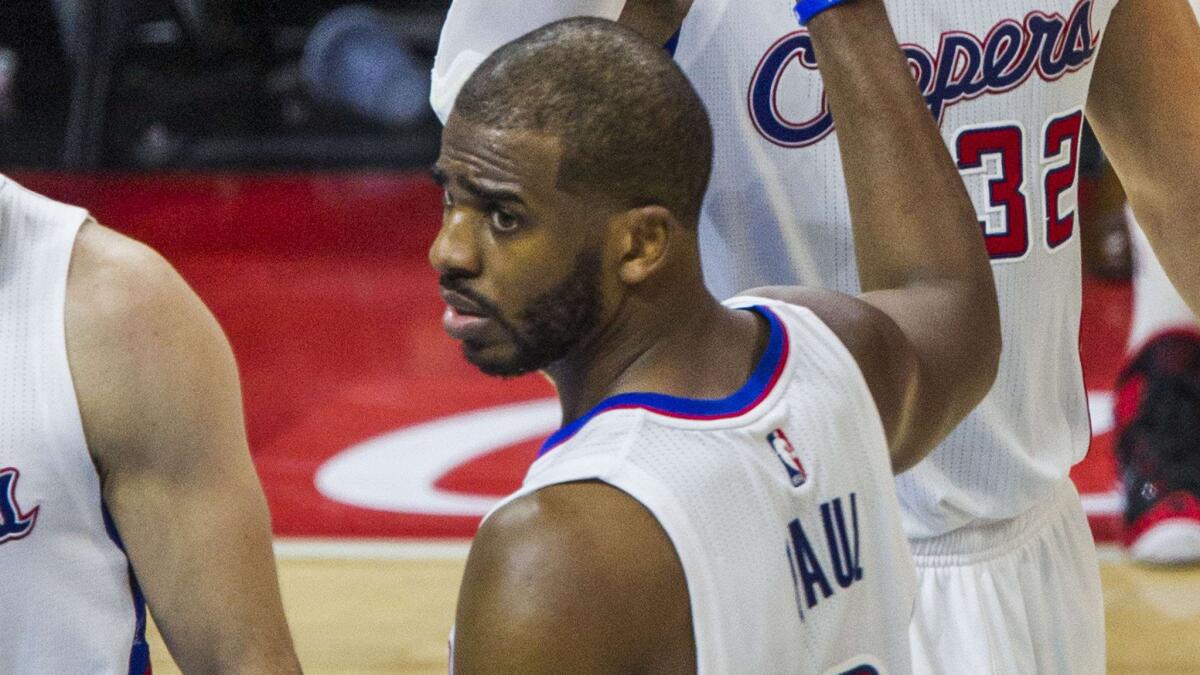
(114, 278)
(141, 344)
(573, 576)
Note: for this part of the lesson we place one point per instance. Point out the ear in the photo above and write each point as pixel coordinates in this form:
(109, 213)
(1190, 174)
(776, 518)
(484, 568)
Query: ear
(644, 237)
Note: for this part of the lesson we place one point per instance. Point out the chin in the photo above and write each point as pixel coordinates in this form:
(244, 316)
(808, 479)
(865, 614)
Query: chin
(497, 365)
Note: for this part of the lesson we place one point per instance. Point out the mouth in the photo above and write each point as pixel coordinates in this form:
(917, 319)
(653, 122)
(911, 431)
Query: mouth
(463, 318)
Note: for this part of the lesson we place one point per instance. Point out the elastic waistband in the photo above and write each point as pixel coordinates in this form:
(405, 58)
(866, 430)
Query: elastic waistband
(984, 540)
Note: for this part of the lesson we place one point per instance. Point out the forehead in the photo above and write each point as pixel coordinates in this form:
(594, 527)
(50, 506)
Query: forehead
(478, 153)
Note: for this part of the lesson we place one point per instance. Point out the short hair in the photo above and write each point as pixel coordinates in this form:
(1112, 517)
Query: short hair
(631, 126)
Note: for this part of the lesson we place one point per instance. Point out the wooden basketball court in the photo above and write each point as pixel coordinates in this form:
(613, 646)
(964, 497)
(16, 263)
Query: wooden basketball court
(388, 609)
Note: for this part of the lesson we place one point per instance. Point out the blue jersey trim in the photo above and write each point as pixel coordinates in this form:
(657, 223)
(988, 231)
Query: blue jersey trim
(673, 43)
(139, 651)
(766, 373)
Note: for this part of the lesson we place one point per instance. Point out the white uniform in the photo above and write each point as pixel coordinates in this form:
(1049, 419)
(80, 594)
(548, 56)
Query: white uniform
(777, 499)
(1008, 81)
(68, 600)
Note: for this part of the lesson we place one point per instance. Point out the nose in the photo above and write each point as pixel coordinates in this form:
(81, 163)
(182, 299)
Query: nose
(455, 249)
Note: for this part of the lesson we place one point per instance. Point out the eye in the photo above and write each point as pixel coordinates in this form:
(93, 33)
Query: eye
(503, 221)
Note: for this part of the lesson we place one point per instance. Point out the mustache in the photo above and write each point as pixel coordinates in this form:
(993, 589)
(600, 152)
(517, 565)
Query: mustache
(457, 284)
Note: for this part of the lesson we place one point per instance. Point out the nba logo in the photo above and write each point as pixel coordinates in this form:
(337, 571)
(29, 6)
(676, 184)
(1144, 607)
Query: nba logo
(787, 454)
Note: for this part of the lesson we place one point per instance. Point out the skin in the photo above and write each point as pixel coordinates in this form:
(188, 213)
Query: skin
(1144, 106)
(578, 577)
(158, 393)
(657, 20)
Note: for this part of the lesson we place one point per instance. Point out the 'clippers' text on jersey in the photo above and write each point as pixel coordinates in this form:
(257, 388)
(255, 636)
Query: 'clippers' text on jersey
(963, 67)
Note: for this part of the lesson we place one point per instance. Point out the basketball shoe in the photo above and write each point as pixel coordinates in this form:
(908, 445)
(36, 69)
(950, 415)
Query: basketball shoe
(1158, 449)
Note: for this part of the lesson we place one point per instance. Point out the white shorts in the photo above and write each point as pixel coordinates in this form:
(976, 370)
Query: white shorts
(1013, 597)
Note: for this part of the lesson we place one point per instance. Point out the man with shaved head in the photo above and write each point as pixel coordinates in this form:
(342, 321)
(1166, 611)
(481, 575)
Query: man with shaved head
(719, 498)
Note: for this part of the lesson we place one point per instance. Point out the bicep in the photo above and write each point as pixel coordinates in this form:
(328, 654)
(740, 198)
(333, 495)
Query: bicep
(159, 398)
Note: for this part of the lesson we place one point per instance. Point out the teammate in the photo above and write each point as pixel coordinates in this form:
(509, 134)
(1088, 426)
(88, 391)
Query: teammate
(123, 462)
(720, 498)
(1009, 582)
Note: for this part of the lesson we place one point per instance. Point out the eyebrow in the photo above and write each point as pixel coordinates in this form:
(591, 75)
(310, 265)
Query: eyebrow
(481, 191)
(493, 194)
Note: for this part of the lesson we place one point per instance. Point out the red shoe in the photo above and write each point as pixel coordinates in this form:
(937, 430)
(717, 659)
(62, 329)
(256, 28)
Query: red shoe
(1158, 449)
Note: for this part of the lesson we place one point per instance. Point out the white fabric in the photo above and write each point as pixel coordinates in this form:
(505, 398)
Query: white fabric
(65, 597)
(476, 28)
(1021, 597)
(726, 500)
(779, 215)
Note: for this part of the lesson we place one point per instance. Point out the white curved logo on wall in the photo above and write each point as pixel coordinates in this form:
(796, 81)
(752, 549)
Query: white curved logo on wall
(397, 471)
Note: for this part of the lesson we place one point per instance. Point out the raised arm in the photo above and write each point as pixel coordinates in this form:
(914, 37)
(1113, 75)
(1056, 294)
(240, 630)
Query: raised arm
(158, 391)
(476, 28)
(1145, 109)
(926, 332)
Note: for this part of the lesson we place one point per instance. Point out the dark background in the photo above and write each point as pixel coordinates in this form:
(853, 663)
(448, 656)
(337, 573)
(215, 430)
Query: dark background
(193, 84)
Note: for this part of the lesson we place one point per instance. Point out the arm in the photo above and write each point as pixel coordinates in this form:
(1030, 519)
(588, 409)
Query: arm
(575, 578)
(1145, 108)
(158, 393)
(926, 328)
(476, 28)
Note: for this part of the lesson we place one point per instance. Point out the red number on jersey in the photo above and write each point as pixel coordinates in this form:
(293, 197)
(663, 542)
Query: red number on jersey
(1006, 195)
(1058, 179)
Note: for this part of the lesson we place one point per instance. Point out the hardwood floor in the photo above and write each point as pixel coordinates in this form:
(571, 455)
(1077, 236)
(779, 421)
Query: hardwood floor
(389, 610)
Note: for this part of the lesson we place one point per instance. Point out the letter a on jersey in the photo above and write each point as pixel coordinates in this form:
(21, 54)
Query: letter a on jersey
(13, 523)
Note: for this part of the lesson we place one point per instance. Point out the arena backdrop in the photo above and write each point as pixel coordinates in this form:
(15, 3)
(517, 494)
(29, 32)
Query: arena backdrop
(364, 420)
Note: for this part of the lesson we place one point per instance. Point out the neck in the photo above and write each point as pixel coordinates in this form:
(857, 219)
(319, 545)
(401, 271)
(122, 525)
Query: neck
(656, 346)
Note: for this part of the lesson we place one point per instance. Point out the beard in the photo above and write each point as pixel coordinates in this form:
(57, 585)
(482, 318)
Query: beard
(548, 327)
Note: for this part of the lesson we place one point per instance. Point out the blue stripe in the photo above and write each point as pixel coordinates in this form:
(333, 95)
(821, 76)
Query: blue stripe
(673, 43)
(734, 404)
(139, 652)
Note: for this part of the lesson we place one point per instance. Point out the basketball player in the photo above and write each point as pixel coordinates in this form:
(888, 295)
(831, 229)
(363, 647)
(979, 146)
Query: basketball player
(720, 498)
(124, 470)
(1009, 582)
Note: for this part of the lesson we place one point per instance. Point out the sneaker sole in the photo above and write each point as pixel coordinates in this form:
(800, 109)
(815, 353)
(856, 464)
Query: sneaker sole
(1174, 541)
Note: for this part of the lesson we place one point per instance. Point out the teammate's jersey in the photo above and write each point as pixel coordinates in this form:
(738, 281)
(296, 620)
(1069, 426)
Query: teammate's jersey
(777, 499)
(1008, 81)
(68, 599)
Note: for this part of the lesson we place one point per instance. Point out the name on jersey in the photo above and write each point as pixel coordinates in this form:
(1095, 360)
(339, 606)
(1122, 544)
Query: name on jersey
(14, 523)
(831, 564)
(964, 67)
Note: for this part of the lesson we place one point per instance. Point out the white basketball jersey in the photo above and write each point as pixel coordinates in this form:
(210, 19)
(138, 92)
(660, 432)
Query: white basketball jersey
(778, 499)
(1008, 81)
(68, 599)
